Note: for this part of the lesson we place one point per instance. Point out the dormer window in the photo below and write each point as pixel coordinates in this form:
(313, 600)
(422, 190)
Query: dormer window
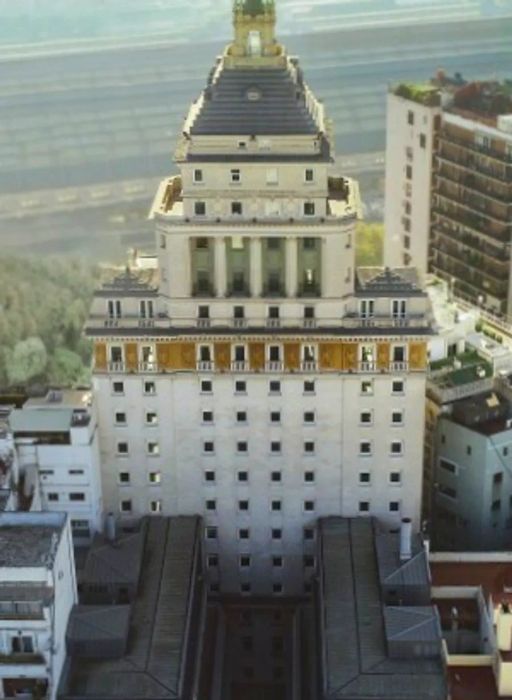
(146, 309)
(114, 308)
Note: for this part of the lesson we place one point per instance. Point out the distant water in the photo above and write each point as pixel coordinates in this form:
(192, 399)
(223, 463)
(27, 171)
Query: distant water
(36, 21)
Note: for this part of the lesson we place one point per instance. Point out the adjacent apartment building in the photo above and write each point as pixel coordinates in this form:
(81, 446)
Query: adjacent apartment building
(37, 592)
(254, 376)
(449, 185)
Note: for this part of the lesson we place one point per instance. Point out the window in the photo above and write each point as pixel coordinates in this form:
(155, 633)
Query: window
(211, 504)
(277, 562)
(272, 176)
(277, 533)
(206, 386)
(505, 451)
(153, 448)
(397, 386)
(274, 387)
(207, 416)
(245, 561)
(116, 354)
(118, 388)
(241, 447)
(122, 448)
(273, 312)
(396, 447)
(308, 533)
(309, 417)
(275, 477)
(275, 447)
(53, 497)
(24, 644)
(308, 561)
(155, 506)
(309, 313)
(364, 506)
(155, 478)
(120, 418)
(275, 505)
(309, 208)
(151, 418)
(275, 416)
(208, 447)
(309, 506)
(468, 450)
(309, 477)
(239, 354)
(309, 175)
(244, 533)
(364, 478)
(242, 145)
(408, 172)
(397, 417)
(243, 505)
(209, 476)
(236, 208)
(496, 505)
(447, 491)
(309, 386)
(238, 312)
(200, 208)
(124, 478)
(423, 141)
(408, 208)
(448, 466)
(149, 388)
(410, 118)
(394, 506)
(212, 561)
(198, 175)
(309, 447)
(395, 478)
(274, 353)
(236, 176)
(398, 353)
(365, 418)
(211, 533)
(240, 387)
(241, 417)
(245, 588)
(126, 506)
(146, 309)
(367, 387)
(367, 308)
(497, 478)
(75, 472)
(365, 447)
(277, 588)
(114, 309)
(243, 476)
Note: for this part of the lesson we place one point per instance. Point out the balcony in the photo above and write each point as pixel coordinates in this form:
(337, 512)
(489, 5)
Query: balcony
(309, 366)
(470, 182)
(273, 290)
(474, 222)
(473, 167)
(240, 366)
(239, 322)
(475, 242)
(116, 367)
(499, 156)
(472, 204)
(311, 290)
(367, 366)
(274, 366)
(273, 323)
(238, 290)
(148, 367)
(399, 366)
(205, 366)
(204, 322)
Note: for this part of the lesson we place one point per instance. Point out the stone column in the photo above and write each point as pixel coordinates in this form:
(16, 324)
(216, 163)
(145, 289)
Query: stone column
(256, 266)
(292, 263)
(220, 266)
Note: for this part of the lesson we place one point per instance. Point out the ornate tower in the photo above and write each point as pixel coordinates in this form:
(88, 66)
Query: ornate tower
(250, 364)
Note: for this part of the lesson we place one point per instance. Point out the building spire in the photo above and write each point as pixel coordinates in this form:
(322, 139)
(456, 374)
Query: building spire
(255, 23)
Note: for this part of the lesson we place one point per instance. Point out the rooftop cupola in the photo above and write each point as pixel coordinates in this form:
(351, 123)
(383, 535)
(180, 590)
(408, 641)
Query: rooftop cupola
(255, 40)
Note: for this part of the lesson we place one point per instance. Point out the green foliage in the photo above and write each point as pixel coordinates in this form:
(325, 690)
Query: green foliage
(43, 306)
(369, 245)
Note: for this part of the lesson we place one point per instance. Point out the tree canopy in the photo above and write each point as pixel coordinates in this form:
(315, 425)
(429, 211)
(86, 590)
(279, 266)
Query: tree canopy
(43, 307)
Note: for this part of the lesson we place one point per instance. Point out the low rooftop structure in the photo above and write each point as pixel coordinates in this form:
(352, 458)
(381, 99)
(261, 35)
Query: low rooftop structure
(488, 413)
(161, 657)
(362, 646)
(30, 539)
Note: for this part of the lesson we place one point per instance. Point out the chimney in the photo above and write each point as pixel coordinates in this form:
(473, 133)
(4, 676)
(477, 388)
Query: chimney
(504, 627)
(405, 540)
(110, 527)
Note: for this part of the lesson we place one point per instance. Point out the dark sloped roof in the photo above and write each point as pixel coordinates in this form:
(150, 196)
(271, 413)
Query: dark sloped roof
(412, 624)
(392, 571)
(91, 623)
(262, 101)
(117, 563)
(378, 280)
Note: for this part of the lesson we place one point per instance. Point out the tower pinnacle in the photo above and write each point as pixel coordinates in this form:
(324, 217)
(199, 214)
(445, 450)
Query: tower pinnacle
(254, 22)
